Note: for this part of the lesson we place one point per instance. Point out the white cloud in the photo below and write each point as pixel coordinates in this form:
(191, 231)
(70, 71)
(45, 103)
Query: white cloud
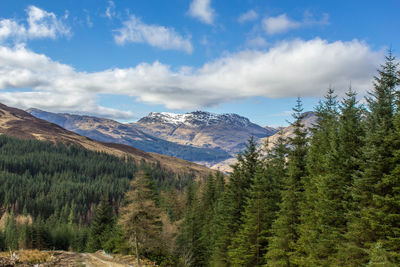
(250, 15)
(40, 24)
(135, 31)
(279, 24)
(282, 23)
(257, 41)
(202, 10)
(287, 69)
(110, 10)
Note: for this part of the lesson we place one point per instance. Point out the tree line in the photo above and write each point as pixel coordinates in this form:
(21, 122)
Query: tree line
(330, 197)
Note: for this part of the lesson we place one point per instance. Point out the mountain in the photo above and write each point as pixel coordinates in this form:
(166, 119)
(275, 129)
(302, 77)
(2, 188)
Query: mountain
(110, 131)
(21, 124)
(309, 120)
(203, 129)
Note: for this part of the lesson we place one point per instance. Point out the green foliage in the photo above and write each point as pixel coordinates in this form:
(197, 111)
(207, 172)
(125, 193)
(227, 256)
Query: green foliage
(285, 229)
(378, 256)
(101, 228)
(229, 217)
(375, 217)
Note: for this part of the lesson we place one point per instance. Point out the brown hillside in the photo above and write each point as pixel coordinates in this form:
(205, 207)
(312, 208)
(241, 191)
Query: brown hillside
(20, 124)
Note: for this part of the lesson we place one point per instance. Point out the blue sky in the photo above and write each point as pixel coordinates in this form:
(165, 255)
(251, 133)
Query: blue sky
(124, 59)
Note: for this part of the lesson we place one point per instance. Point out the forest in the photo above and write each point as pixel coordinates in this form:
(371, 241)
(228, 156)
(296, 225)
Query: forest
(329, 197)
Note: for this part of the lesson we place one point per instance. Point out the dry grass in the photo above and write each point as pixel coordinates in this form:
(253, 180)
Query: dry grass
(30, 256)
(34, 256)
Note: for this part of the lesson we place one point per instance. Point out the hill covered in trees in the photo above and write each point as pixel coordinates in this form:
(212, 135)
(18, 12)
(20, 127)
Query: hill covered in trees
(18, 123)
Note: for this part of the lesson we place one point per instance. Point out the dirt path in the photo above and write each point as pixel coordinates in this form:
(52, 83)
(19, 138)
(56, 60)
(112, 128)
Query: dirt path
(70, 259)
(94, 260)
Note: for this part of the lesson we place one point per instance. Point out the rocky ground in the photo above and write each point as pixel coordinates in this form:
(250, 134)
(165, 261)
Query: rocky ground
(65, 258)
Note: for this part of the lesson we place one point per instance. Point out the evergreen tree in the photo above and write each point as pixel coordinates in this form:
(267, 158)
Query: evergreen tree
(376, 215)
(140, 216)
(285, 229)
(190, 244)
(101, 227)
(11, 233)
(213, 189)
(378, 257)
(249, 244)
(231, 206)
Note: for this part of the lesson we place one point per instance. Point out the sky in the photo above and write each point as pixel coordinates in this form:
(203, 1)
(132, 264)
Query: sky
(124, 59)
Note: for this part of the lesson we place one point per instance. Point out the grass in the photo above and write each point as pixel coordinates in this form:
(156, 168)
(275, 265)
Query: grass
(33, 256)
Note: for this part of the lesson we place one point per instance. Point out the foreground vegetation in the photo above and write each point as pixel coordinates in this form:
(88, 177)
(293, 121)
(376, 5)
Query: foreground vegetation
(329, 198)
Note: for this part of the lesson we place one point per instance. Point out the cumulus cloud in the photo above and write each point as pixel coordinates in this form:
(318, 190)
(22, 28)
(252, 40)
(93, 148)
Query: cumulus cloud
(287, 69)
(40, 24)
(282, 23)
(250, 15)
(135, 31)
(202, 10)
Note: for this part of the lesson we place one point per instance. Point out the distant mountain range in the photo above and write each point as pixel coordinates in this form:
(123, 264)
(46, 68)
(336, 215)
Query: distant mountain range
(199, 136)
(210, 139)
(106, 130)
(203, 129)
(18, 123)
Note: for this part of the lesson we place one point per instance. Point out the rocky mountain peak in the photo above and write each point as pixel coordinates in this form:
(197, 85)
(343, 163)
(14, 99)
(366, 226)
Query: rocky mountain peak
(194, 119)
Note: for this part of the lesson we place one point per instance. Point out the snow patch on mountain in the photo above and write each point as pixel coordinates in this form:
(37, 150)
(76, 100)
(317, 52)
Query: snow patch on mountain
(195, 119)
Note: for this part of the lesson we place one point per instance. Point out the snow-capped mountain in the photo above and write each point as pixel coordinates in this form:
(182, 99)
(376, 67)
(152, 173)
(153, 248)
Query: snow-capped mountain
(195, 119)
(203, 129)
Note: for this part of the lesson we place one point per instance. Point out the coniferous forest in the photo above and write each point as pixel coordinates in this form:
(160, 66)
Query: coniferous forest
(328, 197)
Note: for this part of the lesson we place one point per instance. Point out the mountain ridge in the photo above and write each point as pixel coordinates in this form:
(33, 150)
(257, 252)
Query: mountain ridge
(203, 129)
(110, 131)
(18, 123)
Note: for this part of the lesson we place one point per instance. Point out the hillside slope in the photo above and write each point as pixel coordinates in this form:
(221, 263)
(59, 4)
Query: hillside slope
(18, 123)
(309, 120)
(110, 131)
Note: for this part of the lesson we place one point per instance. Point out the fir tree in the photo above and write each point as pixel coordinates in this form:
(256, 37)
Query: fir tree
(233, 202)
(375, 217)
(285, 229)
(101, 227)
(11, 233)
(190, 243)
(249, 245)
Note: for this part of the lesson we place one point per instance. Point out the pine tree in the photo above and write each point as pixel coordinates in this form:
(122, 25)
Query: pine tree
(11, 233)
(249, 245)
(231, 206)
(191, 246)
(140, 216)
(378, 257)
(323, 144)
(101, 227)
(375, 217)
(285, 229)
